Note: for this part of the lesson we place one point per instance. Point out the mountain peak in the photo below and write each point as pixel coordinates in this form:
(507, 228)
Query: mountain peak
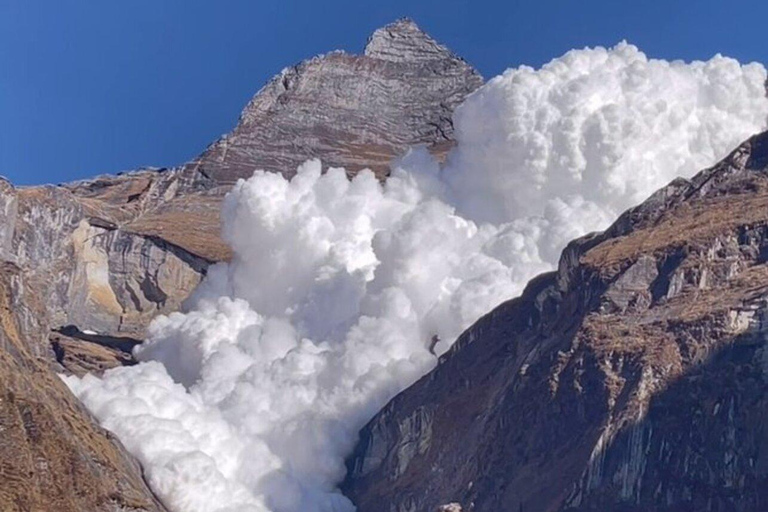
(403, 40)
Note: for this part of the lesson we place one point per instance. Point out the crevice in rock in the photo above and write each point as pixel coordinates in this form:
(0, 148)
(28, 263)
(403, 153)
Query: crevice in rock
(121, 343)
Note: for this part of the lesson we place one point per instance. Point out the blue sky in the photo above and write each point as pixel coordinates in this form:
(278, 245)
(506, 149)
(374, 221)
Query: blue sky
(91, 87)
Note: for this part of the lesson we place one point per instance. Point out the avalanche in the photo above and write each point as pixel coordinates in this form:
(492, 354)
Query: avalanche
(251, 398)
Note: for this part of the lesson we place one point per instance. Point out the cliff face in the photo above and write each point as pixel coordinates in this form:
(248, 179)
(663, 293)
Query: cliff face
(87, 265)
(632, 379)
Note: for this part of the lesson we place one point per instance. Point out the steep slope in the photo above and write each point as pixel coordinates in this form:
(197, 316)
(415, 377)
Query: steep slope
(53, 456)
(633, 378)
(87, 265)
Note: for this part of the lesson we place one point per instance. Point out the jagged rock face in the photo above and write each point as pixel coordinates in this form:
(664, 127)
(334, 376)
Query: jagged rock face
(403, 41)
(635, 378)
(88, 264)
(352, 111)
(80, 268)
(66, 262)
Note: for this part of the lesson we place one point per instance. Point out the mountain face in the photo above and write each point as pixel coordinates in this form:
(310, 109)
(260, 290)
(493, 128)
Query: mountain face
(634, 378)
(323, 109)
(87, 265)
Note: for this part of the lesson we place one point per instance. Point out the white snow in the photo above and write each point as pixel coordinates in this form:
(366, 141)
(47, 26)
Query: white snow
(251, 399)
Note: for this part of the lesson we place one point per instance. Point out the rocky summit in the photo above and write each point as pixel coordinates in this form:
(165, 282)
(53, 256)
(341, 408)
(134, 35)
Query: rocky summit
(634, 378)
(351, 111)
(87, 265)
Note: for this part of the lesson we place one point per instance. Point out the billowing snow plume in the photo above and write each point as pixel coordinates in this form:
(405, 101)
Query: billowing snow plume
(251, 400)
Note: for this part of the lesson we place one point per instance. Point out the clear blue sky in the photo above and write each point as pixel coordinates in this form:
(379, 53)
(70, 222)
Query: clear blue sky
(97, 86)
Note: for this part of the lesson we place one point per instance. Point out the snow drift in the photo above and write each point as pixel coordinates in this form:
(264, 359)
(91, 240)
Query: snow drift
(251, 399)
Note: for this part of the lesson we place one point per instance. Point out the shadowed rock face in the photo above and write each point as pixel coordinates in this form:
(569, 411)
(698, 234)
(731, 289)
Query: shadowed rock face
(109, 254)
(634, 378)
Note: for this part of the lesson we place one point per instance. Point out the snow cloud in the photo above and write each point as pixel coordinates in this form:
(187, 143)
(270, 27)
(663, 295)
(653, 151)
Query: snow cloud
(251, 399)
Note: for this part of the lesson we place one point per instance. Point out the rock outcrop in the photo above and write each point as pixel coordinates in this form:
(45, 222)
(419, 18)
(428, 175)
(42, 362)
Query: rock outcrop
(634, 378)
(87, 265)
